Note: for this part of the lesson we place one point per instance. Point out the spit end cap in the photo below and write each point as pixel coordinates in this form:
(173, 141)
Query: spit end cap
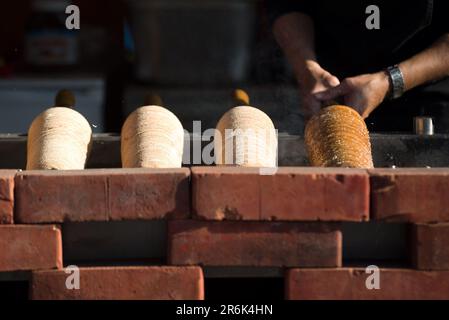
(153, 99)
(241, 97)
(65, 98)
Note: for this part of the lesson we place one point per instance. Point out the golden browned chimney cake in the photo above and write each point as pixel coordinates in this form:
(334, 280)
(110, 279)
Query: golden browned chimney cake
(59, 138)
(152, 137)
(245, 136)
(338, 137)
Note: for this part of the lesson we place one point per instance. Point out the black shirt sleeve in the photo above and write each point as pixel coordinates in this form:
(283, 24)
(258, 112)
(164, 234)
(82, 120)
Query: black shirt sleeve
(278, 8)
(441, 15)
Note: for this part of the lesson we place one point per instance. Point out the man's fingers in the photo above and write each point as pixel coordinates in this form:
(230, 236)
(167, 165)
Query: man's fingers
(357, 104)
(331, 81)
(329, 94)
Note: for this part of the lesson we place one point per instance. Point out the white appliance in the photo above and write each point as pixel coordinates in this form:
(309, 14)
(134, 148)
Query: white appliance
(23, 98)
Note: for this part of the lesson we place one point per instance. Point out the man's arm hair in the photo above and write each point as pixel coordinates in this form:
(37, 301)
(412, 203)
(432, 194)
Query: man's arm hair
(429, 65)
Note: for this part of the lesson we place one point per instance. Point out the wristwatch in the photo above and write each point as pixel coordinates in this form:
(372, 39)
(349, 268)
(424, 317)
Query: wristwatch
(397, 85)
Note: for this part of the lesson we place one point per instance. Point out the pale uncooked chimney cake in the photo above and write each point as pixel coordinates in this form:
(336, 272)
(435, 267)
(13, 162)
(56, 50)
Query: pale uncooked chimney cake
(152, 137)
(245, 136)
(59, 138)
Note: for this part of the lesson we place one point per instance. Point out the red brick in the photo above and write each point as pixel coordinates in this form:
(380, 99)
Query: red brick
(30, 247)
(121, 283)
(410, 195)
(7, 196)
(430, 246)
(273, 244)
(293, 193)
(349, 284)
(102, 195)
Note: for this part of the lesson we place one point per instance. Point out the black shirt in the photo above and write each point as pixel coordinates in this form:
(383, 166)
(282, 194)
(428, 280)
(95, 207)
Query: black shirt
(345, 47)
(349, 48)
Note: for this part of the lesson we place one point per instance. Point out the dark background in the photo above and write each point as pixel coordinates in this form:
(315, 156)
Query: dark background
(108, 54)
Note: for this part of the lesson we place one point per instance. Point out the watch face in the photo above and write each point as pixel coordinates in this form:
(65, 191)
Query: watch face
(397, 81)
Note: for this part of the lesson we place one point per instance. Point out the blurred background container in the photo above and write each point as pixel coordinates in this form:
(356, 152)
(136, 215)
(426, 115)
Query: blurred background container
(192, 42)
(192, 52)
(48, 43)
(23, 98)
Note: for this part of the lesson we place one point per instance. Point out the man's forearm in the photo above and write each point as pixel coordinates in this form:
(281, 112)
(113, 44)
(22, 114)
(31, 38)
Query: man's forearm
(295, 34)
(429, 65)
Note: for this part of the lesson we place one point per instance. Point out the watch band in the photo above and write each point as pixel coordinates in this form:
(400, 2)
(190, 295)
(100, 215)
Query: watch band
(396, 81)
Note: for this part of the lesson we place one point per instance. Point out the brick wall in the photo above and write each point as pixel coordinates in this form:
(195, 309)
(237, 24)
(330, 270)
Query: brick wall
(228, 218)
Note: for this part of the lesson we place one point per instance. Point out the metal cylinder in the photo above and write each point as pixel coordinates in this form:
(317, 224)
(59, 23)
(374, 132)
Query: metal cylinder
(423, 126)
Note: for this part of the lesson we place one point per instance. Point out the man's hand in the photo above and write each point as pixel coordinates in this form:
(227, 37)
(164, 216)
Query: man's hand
(312, 81)
(295, 34)
(364, 93)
